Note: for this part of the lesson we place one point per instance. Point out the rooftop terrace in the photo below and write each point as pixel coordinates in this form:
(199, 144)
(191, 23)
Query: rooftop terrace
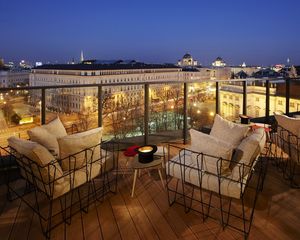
(158, 117)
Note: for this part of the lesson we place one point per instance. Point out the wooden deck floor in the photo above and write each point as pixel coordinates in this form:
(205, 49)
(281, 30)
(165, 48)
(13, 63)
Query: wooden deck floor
(148, 216)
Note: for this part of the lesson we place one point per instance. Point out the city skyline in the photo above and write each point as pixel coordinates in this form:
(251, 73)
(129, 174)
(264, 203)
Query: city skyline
(258, 33)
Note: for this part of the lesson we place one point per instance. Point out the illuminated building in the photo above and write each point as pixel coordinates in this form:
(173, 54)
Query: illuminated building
(187, 61)
(219, 62)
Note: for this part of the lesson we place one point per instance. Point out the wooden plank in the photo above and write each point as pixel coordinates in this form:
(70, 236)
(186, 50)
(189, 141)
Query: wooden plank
(123, 218)
(156, 218)
(107, 221)
(23, 222)
(8, 218)
(139, 217)
(91, 223)
(178, 225)
(35, 229)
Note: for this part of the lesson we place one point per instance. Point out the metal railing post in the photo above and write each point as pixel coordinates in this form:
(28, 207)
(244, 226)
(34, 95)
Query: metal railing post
(217, 98)
(100, 106)
(287, 96)
(185, 113)
(267, 113)
(245, 97)
(146, 116)
(43, 107)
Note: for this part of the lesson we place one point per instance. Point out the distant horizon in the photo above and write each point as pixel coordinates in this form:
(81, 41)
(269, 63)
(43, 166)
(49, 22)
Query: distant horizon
(259, 32)
(77, 60)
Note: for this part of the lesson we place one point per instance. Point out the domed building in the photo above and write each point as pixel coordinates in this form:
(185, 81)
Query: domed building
(187, 60)
(219, 62)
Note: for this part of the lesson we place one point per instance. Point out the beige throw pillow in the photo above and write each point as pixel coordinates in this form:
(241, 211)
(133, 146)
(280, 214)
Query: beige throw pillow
(207, 144)
(247, 152)
(47, 135)
(47, 169)
(290, 124)
(227, 131)
(45, 138)
(56, 128)
(74, 145)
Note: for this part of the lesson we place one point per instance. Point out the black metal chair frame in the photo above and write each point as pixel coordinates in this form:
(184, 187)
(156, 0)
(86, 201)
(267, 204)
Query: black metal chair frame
(44, 188)
(286, 140)
(187, 198)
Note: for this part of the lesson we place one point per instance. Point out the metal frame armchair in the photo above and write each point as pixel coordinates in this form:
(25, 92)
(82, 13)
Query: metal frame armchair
(57, 196)
(191, 184)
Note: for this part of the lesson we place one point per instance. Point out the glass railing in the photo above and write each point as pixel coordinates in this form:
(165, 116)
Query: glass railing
(201, 104)
(145, 112)
(19, 111)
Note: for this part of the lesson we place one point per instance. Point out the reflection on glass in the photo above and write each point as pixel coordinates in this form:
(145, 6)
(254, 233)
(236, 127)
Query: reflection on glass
(201, 104)
(166, 110)
(19, 111)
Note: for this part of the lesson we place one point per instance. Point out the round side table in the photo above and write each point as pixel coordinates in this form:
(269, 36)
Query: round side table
(157, 163)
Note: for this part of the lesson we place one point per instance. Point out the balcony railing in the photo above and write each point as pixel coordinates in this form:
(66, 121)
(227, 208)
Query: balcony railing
(162, 106)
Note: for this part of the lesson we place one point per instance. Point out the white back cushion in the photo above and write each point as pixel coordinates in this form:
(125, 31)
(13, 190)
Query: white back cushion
(56, 128)
(247, 152)
(227, 131)
(45, 138)
(76, 143)
(48, 169)
(207, 144)
(291, 124)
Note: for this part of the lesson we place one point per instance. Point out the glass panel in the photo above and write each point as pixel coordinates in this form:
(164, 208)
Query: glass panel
(19, 112)
(201, 104)
(123, 112)
(76, 107)
(231, 100)
(295, 97)
(256, 98)
(166, 112)
(277, 97)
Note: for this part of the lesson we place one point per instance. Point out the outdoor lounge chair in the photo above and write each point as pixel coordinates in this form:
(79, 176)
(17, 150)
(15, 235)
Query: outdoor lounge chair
(205, 183)
(55, 188)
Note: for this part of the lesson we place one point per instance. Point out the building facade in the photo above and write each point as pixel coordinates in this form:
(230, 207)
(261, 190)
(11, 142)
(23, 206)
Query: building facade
(81, 99)
(231, 99)
(219, 62)
(14, 78)
(187, 61)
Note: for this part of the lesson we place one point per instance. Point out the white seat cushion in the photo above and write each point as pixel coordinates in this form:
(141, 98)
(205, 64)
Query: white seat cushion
(227, 131)
(209, 182)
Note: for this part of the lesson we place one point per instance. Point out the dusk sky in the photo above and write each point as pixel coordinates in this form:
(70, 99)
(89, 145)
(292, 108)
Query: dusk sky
(259, 32)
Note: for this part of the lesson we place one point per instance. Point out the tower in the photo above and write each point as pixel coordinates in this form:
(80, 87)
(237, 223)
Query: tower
(81, 56)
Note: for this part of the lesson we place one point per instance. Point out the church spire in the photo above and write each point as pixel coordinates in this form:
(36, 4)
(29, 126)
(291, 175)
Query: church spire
(81, 56)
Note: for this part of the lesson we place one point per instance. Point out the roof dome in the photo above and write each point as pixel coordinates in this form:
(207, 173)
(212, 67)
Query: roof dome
(219, 59)
(187, 55)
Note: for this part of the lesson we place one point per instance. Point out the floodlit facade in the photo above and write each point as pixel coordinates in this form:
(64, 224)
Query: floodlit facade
(14, 78)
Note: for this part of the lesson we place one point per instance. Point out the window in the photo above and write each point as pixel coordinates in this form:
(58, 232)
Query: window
(280, 102)
(257, 99)
(292, 104)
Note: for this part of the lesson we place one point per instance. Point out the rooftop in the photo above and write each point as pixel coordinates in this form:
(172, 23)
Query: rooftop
(95, 65)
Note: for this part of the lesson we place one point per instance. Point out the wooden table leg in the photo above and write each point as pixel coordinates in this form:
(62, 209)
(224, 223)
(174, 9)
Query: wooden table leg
(161, 178)
(134, 181)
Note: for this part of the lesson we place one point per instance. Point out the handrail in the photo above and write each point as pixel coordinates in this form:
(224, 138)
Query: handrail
(147, 85)
(133, 83)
